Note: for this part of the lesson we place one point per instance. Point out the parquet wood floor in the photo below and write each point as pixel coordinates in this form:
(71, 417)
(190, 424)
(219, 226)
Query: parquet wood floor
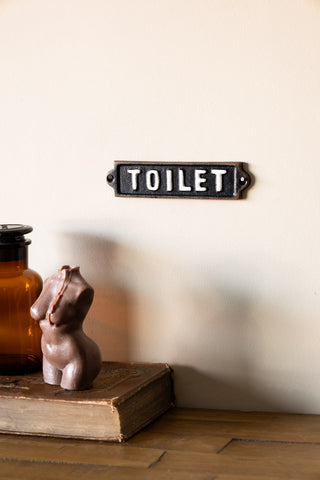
(183, 444)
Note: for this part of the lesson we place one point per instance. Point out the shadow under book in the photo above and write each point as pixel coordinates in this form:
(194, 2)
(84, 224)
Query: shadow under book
(125, 398)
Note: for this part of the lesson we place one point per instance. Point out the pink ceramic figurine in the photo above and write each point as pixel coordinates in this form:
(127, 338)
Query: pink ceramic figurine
(70, 358)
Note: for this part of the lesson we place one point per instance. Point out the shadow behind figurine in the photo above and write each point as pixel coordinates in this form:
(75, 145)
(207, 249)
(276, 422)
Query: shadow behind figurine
(70, 358)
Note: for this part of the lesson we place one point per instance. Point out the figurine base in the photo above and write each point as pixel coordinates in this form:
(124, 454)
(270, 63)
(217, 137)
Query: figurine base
(125, 397)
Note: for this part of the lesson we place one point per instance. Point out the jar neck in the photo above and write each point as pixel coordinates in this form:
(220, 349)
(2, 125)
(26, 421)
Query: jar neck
(13, 258)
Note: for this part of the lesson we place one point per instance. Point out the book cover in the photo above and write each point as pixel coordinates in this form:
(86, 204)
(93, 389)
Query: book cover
(124, 398)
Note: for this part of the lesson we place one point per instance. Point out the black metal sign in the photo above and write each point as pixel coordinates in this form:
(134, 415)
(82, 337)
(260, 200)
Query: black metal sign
(179, 180)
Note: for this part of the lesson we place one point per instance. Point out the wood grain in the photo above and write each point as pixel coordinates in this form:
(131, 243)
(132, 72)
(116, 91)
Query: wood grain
(182, 445)
(76, 452)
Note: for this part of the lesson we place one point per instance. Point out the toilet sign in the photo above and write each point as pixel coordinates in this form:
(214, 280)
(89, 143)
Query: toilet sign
(179, 180)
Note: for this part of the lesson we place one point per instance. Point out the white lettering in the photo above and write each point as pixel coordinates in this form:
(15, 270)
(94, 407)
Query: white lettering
(134, 178)
(218, 174)
(169, 181)
(153, 180)
(182, 186)
(198, 180)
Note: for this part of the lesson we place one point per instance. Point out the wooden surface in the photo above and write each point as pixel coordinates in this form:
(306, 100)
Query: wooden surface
(183, 444)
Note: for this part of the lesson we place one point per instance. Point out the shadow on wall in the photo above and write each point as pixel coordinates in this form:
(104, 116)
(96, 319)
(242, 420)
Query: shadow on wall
(249, 347)
(227, 360)
(108, 319)
(146, 308)
(196, 389)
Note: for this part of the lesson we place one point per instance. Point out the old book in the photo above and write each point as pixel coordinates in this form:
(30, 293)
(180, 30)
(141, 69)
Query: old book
(124, 398)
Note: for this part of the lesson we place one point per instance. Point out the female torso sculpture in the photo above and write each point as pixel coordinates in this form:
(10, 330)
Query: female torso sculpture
(70, 358)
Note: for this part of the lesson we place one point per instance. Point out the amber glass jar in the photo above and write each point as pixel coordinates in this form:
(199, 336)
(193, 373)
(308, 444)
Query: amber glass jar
(20, 335)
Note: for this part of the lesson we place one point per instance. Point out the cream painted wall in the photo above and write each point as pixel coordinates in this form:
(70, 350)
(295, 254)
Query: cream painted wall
(228, 293)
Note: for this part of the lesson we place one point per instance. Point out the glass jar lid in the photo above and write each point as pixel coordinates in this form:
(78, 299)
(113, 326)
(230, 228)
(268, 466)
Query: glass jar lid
(13, 234)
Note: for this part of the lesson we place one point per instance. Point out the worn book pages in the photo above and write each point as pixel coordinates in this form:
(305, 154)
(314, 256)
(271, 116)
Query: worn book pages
(124, 398)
